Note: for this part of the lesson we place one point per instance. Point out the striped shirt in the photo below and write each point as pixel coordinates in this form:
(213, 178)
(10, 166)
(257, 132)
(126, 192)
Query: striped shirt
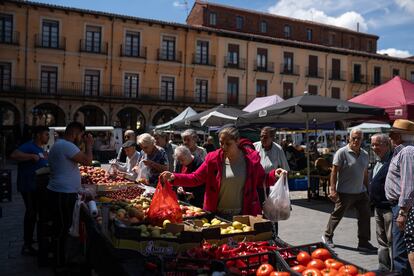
(399, 184)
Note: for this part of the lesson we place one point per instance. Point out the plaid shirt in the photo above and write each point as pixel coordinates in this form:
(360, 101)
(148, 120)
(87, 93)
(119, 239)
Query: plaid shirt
(399, 184)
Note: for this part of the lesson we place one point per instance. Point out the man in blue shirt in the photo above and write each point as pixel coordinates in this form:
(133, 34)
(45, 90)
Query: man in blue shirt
(31, 157)
(65, 183)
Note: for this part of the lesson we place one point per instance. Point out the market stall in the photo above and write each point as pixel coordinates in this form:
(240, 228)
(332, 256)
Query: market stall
(124, 237)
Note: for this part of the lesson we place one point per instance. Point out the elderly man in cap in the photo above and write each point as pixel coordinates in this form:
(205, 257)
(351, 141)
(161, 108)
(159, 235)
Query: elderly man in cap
(132, 159)
(129, 135)
(399, 190)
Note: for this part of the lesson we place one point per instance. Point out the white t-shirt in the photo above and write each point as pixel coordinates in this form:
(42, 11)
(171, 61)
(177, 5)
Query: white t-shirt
(64, 173)
(272, 159)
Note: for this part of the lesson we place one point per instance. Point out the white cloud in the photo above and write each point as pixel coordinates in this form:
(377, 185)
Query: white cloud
(177, 4)
(304, 10)
(407, 5)
(395, 52)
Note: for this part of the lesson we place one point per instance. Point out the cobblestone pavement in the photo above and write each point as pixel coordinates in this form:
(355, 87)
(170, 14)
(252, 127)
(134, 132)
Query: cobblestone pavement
(306, 225)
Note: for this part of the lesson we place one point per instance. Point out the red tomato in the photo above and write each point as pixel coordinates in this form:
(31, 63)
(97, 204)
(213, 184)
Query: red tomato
(303, 258)
(311, 272)
(348, 270)
(369, 273)
(264, 270)
(332, 263)
(279, 273)
(298, 268)
(316, 263)
(329, 272)
(321, 254)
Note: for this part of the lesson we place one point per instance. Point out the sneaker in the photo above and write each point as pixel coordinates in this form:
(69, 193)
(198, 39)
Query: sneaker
(328, 241)
(28, 250)
(367, 247)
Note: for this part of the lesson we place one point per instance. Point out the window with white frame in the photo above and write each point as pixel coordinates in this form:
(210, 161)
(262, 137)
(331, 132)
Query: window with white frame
(168, 48)
(201, 91)
(167, 88)
(213, 18)
(5, 76)
(132, 44)
(92, 82)
(263, 26)
(93, 39)
(48, 79)
(202, 52)
(287, 31)
(6, 28)
(131, 85)
(50, 34)
(239, 22)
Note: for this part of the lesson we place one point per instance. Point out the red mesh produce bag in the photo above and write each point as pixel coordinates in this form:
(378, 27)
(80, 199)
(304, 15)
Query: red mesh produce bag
(164, 205)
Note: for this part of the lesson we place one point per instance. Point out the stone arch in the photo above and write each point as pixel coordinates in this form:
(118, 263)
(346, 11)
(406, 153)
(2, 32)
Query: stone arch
(131, 118)
(91, 115)
(10, 132)
(163, 116)
(9, 114)
(47, 114)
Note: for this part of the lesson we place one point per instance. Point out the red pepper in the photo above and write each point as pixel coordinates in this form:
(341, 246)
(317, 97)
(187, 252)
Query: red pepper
(240, 264)
(151, 266)
(230, 264)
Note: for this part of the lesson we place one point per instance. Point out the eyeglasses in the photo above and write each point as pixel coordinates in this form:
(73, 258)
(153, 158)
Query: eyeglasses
(356, 138)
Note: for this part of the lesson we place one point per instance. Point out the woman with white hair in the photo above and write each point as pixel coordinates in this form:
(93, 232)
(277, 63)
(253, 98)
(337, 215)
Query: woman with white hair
(152, 156)
(188, 163)
(190, 138)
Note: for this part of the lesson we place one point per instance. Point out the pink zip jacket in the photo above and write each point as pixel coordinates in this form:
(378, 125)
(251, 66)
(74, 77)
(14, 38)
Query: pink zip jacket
(210, 173)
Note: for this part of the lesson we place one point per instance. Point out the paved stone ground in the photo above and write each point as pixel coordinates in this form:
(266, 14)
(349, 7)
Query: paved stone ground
(11, 239)
(306, 225)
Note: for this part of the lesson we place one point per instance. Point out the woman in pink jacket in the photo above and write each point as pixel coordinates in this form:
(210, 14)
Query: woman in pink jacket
(232, 175)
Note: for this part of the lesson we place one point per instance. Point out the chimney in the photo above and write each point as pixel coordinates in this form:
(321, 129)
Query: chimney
(357, 26)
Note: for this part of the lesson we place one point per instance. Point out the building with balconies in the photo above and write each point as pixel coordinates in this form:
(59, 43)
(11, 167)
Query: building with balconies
(59, 64)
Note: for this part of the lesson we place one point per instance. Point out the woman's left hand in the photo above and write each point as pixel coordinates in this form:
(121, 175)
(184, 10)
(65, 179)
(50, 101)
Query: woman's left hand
(279, 172)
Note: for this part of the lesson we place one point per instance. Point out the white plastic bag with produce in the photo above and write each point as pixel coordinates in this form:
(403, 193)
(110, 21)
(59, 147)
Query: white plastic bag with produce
(277, 205)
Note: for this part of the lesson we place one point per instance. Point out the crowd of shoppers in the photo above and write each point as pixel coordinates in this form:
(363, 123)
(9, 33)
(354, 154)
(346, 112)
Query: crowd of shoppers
(230, 180)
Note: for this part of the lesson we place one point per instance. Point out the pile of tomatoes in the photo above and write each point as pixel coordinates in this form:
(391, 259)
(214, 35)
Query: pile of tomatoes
(321, 263)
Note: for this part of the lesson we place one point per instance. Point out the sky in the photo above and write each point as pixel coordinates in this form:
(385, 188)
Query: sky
(391, 20)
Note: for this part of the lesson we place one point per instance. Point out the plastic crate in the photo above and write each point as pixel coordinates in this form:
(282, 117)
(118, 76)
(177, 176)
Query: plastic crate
(298, 184)
(283, 263)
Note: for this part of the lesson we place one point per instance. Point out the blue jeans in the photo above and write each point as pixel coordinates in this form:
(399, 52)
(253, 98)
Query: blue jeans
(399, 250)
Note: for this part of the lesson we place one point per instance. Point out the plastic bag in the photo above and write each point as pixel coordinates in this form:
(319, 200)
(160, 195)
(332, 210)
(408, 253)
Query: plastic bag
(164, 206)
(143, 172)
(277, 206)
(74, 228)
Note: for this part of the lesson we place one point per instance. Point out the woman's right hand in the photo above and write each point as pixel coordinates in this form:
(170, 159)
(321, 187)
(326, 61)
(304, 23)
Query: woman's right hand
(167, 176)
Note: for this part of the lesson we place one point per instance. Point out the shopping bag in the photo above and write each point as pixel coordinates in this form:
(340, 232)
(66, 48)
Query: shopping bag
(277, 205)
(164, 206)
(143, 172)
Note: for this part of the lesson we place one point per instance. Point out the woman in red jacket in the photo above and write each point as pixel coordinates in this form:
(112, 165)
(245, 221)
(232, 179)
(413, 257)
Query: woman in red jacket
(231, 174)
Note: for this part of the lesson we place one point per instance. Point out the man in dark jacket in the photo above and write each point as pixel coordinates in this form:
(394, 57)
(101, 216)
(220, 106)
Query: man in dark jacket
(381, 145)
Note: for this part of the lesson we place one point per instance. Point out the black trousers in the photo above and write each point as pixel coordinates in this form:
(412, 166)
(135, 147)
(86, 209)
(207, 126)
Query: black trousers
(61, 209)
(30, 216)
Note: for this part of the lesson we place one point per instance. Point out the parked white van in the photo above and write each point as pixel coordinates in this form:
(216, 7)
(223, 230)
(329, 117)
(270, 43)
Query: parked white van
(108, 140)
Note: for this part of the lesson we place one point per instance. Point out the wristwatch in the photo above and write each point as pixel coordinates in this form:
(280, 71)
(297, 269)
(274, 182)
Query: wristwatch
(402, 213)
